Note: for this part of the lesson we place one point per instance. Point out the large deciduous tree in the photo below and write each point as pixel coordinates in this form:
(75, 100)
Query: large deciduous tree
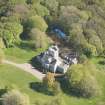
(52, 5)
(39, 38)
(11, 33)
(85, 30)
(36, 22)
(82, 82)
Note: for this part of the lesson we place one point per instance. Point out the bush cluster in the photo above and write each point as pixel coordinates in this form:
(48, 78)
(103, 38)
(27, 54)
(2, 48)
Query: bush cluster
(82, 82)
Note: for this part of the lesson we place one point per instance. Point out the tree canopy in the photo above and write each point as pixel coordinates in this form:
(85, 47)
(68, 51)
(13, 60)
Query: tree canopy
(81, 81)
(82, 20)
(19, 17)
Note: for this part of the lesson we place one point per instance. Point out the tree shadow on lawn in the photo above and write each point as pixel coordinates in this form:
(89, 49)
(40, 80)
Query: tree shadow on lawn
(64, 85)
(67, 88)
(2, 92)
(26, 46)
(102, 62)
(39, 87)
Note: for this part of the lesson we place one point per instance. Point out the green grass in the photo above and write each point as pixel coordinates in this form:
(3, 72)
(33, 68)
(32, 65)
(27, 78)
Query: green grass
(10, 75)
(96, 61)
(20, 55)
(22, 52)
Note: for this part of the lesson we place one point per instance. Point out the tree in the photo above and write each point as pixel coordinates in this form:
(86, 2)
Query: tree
(41, 10)
(82, 82)
(94, 39)
(15, 28)
(38, 9)
(76, 36)
(14, 2)
(52, 5)
(8, 38)
(84, 28)
(39, 38)
(11, 33)
(5, 7)
(71, 2)
(49, 80)
(36, 22)
(73, 16)
(15, 97)
(33, 1)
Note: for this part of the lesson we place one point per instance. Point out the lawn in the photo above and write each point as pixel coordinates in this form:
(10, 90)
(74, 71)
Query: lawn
(11, 76)
(96, 61)
(20, 55)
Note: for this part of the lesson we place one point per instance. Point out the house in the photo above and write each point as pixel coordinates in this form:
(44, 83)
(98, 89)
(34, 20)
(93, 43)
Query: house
(51, 61)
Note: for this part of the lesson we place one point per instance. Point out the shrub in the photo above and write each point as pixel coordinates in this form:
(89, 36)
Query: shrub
(82, 82)
(51, 5)
(37, 22)
(94, 39)
(89, 87)
(11, 33)
(15, 97)
(39, 38)
(49, 80)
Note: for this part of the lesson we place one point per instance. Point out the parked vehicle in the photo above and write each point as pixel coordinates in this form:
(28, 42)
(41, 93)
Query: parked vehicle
(59, 33)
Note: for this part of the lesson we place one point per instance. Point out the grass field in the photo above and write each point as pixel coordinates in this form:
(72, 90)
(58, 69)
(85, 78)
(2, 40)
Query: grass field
(11, 76)
(21, 80)
(21, 55)
(96, 61)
